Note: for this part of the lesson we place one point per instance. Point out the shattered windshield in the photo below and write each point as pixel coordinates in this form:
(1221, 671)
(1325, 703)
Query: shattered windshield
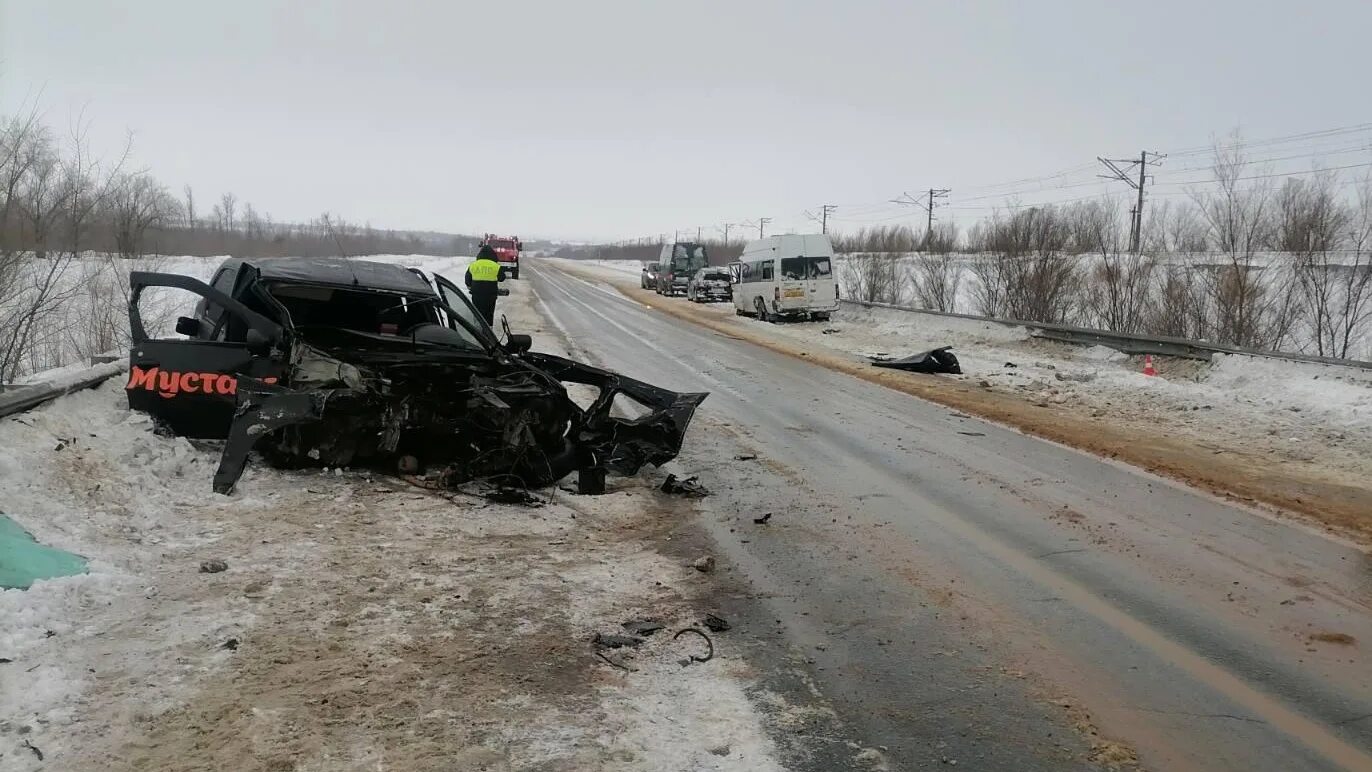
(315, 308)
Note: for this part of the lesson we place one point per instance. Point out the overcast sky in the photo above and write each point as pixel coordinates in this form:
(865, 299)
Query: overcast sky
(608, 119)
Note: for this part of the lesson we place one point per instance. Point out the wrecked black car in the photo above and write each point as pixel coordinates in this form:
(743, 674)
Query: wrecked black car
(340, 362)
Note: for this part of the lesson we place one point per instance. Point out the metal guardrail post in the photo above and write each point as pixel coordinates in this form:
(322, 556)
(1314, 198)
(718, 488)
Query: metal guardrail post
(19, 398)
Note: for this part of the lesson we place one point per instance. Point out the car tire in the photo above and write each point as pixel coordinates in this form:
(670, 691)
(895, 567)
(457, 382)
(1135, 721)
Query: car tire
(761, 306)
(821, 317)
(514, 274)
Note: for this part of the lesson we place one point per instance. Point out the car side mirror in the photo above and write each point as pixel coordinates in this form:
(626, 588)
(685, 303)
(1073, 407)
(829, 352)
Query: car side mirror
(187, 326)
(518, 344)
(257, 342)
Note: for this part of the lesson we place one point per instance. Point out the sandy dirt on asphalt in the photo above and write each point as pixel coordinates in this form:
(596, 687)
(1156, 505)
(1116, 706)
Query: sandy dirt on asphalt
(1335, 499)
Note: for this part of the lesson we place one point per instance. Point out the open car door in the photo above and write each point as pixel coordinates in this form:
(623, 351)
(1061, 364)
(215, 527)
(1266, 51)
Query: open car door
(190, 383)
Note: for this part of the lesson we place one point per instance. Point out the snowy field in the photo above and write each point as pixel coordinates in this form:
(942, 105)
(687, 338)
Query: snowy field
(360, 624)
(966, 284)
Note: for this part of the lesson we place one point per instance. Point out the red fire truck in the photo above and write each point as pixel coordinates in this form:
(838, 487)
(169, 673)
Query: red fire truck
(507, 249)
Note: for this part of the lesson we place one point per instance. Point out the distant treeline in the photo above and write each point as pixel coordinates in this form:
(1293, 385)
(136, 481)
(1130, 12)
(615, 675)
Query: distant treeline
(56, 198)
(646, 250)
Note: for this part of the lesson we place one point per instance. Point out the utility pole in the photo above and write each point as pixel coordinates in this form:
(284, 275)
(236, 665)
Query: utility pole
(697, 234)
(762, 225)
(726, 228)
(928, 206)
(823, 217)
(1125, 175)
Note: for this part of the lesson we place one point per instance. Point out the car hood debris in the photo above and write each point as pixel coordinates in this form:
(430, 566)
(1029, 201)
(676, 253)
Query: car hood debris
(939, 360)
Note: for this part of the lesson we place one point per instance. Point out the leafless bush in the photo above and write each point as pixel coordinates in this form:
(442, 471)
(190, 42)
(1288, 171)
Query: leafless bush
(875, 239)
(1251, 301)
(874, 278)
(1174, 228)
(96, 319)
(1312, 226)
(1119, 285)
(937, 272)
(1182, 308)
(1025, 272)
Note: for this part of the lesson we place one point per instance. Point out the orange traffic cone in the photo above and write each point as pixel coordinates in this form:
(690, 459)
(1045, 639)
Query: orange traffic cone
(1148, 368)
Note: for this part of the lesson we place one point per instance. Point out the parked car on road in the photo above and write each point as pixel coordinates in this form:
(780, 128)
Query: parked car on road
(789, 276)
(648, 279)
(678, 263)
(709, 285)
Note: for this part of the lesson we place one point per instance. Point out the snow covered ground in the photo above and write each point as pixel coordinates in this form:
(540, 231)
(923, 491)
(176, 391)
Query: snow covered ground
(360, 624)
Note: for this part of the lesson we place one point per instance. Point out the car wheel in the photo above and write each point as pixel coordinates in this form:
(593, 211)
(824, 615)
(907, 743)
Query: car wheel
(762, 315)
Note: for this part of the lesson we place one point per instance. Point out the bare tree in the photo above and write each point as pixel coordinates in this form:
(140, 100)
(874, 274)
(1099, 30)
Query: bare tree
(227, 209)
(1312, 226)
(937, 274)
(1175, 228)
(874, 278)
(137, 202)
(190, 206)
(1251, 300)
(1025, 272)
(1119, 285)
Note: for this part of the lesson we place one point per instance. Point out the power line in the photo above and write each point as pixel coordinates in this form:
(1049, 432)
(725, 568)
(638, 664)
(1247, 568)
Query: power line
(823, 217)
(1126, 176)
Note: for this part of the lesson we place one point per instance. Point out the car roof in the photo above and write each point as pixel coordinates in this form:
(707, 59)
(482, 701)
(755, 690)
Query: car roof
(342, 272)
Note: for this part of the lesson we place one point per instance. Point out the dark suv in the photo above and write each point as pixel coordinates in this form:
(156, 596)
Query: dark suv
(339, 362)
(678, 264)
(648, 279)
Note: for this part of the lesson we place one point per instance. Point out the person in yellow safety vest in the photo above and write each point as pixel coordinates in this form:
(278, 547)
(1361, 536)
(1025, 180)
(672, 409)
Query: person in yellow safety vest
(483, 281)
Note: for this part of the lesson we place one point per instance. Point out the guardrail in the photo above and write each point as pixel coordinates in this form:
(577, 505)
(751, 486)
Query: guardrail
(17, 399)
(1128, 343)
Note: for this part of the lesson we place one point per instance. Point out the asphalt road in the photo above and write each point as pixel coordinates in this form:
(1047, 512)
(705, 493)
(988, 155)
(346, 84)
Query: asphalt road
(963, 591)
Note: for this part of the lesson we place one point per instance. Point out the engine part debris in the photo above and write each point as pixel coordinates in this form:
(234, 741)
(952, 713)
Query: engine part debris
(709, 644)
(763, 520)
(1011, 365)
(715, 624)
(642, 627)
(830, 330)
(938, 360)
(704, 564)
(974, 434)
(615, 640)
(231, 644)
(689, 487)
(213, 566)
(746, 457)
(509, 494)
(614, 664)
(590, 482)
(34, 749)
